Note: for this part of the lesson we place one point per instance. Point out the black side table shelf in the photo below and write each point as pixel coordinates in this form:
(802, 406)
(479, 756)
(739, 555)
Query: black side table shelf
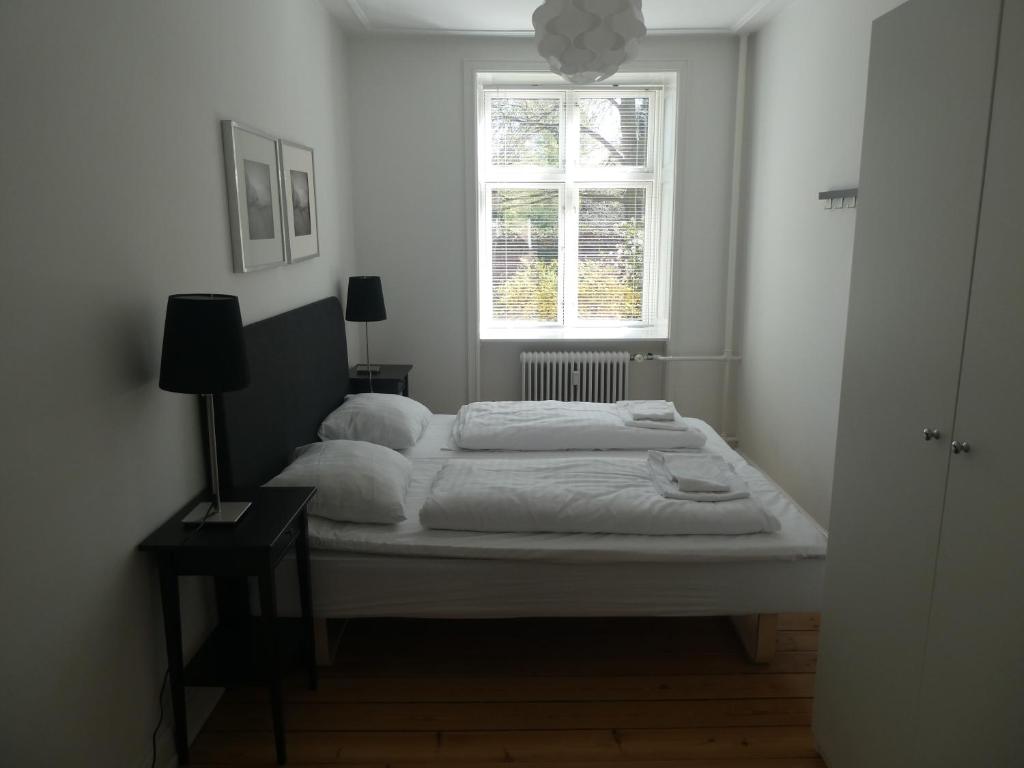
(390, 380)
(242, 650)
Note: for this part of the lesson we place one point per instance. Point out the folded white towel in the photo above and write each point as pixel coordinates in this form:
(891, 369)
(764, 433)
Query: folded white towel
(695, 477)
(648, 414)
(649, 410)
(677, 425)
(697, 472)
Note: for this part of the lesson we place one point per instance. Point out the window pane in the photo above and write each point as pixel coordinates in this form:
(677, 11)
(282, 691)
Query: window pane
(524, 131)
(613, 130)
(611, 253)
(524, 254)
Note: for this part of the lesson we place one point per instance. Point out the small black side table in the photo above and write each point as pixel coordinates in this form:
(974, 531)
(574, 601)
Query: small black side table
(242, 650)
(392, 380)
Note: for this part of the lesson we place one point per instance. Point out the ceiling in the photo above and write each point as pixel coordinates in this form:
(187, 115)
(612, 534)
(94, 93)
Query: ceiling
(512, 17)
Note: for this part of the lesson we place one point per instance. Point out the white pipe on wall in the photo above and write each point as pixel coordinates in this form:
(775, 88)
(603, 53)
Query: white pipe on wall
(734, 233)
(724, 358)
(728, 356)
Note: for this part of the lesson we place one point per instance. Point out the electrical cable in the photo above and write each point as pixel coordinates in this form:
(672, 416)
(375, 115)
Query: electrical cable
(209, 513)
(160, 720)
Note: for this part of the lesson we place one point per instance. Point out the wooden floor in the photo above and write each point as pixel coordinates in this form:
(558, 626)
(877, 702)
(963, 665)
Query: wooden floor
(647, 693)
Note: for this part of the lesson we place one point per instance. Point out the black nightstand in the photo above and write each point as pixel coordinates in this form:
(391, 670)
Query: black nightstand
(392, 380)
(242, 650)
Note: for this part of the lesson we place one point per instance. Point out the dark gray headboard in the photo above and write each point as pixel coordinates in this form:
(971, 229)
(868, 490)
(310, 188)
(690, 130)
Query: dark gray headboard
(298, 363)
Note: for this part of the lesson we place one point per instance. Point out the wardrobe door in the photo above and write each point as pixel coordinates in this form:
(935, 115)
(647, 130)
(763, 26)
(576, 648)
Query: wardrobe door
(926, 123)
(972, 700)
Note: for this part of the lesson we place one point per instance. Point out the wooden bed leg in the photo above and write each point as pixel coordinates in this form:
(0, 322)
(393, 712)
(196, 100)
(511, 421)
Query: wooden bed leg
(757, 633)
(326, 638)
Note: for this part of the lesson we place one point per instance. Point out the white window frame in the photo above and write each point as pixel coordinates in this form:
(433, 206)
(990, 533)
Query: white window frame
(656, 177)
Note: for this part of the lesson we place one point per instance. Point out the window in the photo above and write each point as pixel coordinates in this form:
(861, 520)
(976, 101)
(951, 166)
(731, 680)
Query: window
(573, 238)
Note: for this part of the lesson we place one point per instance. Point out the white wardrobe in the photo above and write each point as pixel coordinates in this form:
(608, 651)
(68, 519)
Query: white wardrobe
(922, 646)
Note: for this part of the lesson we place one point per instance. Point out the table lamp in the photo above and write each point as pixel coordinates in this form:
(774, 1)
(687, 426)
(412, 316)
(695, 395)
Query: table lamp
(204, 354)
(366, 305)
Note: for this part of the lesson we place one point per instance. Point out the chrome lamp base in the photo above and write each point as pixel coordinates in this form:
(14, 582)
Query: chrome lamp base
(208, 513)
(367, 369)
(214, 512)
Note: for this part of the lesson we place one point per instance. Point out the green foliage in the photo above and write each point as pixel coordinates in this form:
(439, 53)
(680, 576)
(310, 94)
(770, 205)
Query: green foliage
(611, 290)
(531, 294)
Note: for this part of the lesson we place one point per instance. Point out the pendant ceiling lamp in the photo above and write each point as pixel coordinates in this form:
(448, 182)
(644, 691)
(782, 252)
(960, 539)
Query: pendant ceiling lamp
(586, 41)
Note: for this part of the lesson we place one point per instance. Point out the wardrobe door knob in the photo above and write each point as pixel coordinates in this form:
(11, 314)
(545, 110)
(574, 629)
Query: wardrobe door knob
(961, 446)
(931, 434)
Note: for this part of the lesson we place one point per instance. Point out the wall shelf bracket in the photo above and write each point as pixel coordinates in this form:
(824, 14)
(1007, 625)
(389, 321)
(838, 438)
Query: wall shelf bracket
(839, 198)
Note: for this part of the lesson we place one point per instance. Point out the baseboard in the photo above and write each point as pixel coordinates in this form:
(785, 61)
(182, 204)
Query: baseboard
(199, 703)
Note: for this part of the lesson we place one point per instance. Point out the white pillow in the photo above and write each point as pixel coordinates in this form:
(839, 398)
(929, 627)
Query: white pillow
(391, 420)
(356, 482)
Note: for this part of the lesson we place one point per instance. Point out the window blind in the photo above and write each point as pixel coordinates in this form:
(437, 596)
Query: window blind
(613, 130)
(612, 233)
(524, 254)
(525, 131)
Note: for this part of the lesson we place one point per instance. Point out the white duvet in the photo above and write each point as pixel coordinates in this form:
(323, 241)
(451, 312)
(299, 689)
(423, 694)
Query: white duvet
(576, 495)
(551, 425)
(800, 537)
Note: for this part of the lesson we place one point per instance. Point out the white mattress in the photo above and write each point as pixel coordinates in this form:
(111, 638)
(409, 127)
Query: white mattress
(800, 536)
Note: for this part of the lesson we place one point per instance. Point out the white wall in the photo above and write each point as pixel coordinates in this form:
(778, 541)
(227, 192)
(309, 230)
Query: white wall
(806, 90)
(114, 197)
(411, 207)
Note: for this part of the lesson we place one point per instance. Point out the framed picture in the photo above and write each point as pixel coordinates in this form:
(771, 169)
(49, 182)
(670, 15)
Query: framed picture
(253, 169)
(298, 182)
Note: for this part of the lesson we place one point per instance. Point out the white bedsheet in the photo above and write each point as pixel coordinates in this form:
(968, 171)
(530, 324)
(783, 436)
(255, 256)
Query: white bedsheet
(581, 494)
(800, 536)
(551, 425)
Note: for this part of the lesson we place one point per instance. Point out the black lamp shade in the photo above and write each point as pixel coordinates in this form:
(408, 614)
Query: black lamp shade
(204, 350)
(365, 300)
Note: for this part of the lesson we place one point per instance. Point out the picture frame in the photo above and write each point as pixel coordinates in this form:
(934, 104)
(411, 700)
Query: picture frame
(298, 200)
(252, 167)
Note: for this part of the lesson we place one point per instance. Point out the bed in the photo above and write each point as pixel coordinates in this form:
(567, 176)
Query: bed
(299, 373)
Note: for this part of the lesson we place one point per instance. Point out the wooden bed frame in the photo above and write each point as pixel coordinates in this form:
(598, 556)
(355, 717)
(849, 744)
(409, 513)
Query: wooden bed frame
(298, 363)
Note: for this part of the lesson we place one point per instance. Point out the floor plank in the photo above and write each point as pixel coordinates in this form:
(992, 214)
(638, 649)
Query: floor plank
(514, 716)
(626, 688)
(786, 762)
(543, 694)
(512, 746)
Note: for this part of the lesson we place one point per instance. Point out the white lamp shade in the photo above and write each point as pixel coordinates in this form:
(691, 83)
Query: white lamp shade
(586, 41)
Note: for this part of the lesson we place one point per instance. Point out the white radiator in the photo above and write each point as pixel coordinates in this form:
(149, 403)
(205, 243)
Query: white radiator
(593, 377)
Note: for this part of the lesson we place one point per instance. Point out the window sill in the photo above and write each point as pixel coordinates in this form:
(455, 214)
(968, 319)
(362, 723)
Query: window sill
(648, 332)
